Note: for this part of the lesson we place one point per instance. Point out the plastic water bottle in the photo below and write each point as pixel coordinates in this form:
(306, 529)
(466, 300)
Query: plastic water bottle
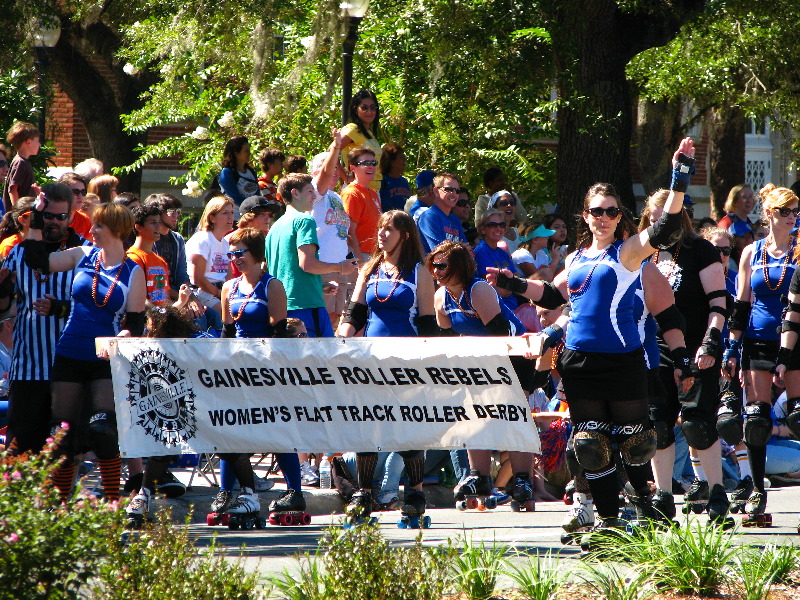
(325, 482)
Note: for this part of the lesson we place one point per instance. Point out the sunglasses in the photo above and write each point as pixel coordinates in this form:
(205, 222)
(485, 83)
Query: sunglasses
(612, 211)
(462, 203)
(77, 192)
(233, 254)
(449, 190)
(439, 266)
(57, 216)
(367, 163)
(368, 107)
(785, 212)
(505, 203)
(173, 212)
(724, 250)
(494, 224)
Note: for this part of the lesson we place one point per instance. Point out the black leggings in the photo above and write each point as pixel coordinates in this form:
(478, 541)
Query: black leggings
(414, 461)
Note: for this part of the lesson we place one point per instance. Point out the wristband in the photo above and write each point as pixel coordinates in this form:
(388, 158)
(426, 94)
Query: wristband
(712, 343)
(37, 213)
(732, 349)
(553, 335)
(682, 173)
(680, 356)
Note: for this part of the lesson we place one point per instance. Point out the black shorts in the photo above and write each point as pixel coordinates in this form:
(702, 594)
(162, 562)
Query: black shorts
(656, 394)
(79, 371)
(759, 355)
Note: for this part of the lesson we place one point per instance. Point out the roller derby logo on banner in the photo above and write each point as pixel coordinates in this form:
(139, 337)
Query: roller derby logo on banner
(333, 395)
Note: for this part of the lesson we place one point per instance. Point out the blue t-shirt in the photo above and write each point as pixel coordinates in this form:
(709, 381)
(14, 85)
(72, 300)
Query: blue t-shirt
(392, 303)
(251, 311)
(394, 193)
(435, 227)
(602, 292)
(765, 318)
(465, 321)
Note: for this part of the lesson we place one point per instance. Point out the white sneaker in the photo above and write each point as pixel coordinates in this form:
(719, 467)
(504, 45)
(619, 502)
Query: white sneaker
(246, 502)
(307, 474)
(580, 515)
(262, 484)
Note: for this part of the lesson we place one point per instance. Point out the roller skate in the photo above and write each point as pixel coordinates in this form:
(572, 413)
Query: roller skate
(359, 508)
(718, 506)
(500, 496)
(244, 511)
(642, 502)
(138, 511)
(664, 505)
(578, 520)
(219, 508)
(521, 490)
(740, 495)
(289, 509)
(696, 498)
(605, 533)
(413, 511)
(475, 492)
(756, 517)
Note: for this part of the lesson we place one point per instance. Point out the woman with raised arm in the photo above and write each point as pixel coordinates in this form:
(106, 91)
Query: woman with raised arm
(602, 365)
(393, 297)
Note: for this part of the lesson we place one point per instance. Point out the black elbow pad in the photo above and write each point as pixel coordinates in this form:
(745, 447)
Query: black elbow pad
(740, 315)
(666, 231)
(551, 297)
(134, 322)
(499, 326)
(426, 326)
(36, 256)
(356, 315)
(670, 318)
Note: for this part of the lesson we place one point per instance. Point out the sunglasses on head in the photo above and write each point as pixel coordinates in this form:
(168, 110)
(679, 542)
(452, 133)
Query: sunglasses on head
(232, 254)
(785, 212)
(725, 250)
(57, 216)
(612, 211)
(367, 163)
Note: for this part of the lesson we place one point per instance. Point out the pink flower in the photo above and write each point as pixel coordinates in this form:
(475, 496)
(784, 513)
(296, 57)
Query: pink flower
(6, 477)
(64, 425)
(49, 440)
(12, 537)
(16, 475)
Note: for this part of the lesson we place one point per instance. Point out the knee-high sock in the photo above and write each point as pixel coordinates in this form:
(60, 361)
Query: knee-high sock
(63, 478)
(110, 471)
(414, 468)
(758, 461)
(289, 463)
(744, 463)
(639, 475)
(227, 478)
(605, 492)
(365, 465)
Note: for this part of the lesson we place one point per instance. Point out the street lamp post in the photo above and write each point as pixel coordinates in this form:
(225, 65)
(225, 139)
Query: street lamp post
(46, 35)
(353, 12)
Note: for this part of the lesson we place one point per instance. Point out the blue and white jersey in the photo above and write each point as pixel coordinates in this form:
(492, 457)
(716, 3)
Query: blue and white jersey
(93, 315)
(465, 321)
(251, 311)
(602, 292)
(392, 303)
(35, 337)
(648, 328)
(765, 318)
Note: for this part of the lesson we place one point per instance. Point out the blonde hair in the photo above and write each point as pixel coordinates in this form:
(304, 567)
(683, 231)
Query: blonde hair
(733, 196)
(216, 205)
(775, 197)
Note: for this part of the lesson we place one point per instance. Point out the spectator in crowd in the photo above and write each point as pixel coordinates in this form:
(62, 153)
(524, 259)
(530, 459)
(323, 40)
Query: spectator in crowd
(494, 180)
(258, 213)
(207, 251)
(237, 179)
(488, 252)
(104, 187)
(4, 163)
(89, 168)
(20, 179)
(15, 225)
(559, 240)
(362, 203)
(79, 220)
(738, 206)
(271, 160)
(128, 199)
(170, 245)
(395, 189)
(531, 258)
(504, 202)
(425, 196)
(292, 256)
(742, 237)
(463, 210)
(147, 223)
(296, 163)
(437, 224)
(705, 223)
(363, 131)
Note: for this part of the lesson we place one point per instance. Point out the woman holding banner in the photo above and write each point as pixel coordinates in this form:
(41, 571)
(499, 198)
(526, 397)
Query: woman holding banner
(466, 305)
(393, 297)
(601, 280)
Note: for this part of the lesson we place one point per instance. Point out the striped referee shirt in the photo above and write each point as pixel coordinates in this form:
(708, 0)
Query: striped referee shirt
(35, 336)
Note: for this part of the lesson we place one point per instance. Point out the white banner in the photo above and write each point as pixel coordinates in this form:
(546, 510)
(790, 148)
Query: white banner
(317, 395)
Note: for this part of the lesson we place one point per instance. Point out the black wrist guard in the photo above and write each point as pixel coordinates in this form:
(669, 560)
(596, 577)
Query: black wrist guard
(516, 285)
(426, 326)
(356, 315)
(551, 297)
(712, 343)
(37, 219)
(36, 256)
(670, 318)
(680, 356)
(682, 173)
(59, 309)
(134, 322)
(499, 326)
(740, 315)
(280, 330)
(783, 356)
(666, 231)
(229, 330)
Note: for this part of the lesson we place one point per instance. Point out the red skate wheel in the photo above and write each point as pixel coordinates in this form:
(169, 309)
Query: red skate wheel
(211, 519)
(305, 519)
(225, 519)
(286, 519)
(473, 503)
(482, 505)
(273, 520)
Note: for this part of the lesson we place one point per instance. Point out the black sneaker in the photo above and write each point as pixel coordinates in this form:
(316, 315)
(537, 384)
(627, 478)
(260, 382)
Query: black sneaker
(169, 485)
(133, 484)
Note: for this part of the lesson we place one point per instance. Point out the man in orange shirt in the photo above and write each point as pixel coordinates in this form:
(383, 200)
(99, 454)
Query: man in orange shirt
(362, 204)
(147, 220)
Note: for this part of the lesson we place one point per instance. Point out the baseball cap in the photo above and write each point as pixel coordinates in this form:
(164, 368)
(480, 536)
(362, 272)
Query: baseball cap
(424, 178)
(253, 202)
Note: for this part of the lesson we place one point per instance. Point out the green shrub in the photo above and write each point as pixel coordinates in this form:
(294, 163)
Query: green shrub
(539, 578)
(476, 569)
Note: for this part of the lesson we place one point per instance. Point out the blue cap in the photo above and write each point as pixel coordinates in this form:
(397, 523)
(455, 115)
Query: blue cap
(687, 200)
(739, 228)
(540, 231)
(424, 178)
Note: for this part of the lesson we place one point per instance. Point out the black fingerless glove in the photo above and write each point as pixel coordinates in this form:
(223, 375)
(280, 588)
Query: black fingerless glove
(680, 356)
(712, 343)
(59, 309)
(516, 285)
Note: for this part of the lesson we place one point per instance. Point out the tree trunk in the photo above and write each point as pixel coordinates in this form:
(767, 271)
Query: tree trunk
(725, 154)
(656, 136)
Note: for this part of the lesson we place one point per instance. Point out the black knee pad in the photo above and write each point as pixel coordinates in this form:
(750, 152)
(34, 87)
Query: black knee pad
(757, 424)
(637, 443)
(102, 434)
(700, 434)
(729, 419)
(793, 415)
(665, 434)
(412, 454)
(593, 445)
(575, 468)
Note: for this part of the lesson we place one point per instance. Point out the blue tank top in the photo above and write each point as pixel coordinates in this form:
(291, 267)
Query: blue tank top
(601, 291)
(765, 318)
(648, 328)
(464, 319)
(95, 314)
(392, 304)
(251, 311)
